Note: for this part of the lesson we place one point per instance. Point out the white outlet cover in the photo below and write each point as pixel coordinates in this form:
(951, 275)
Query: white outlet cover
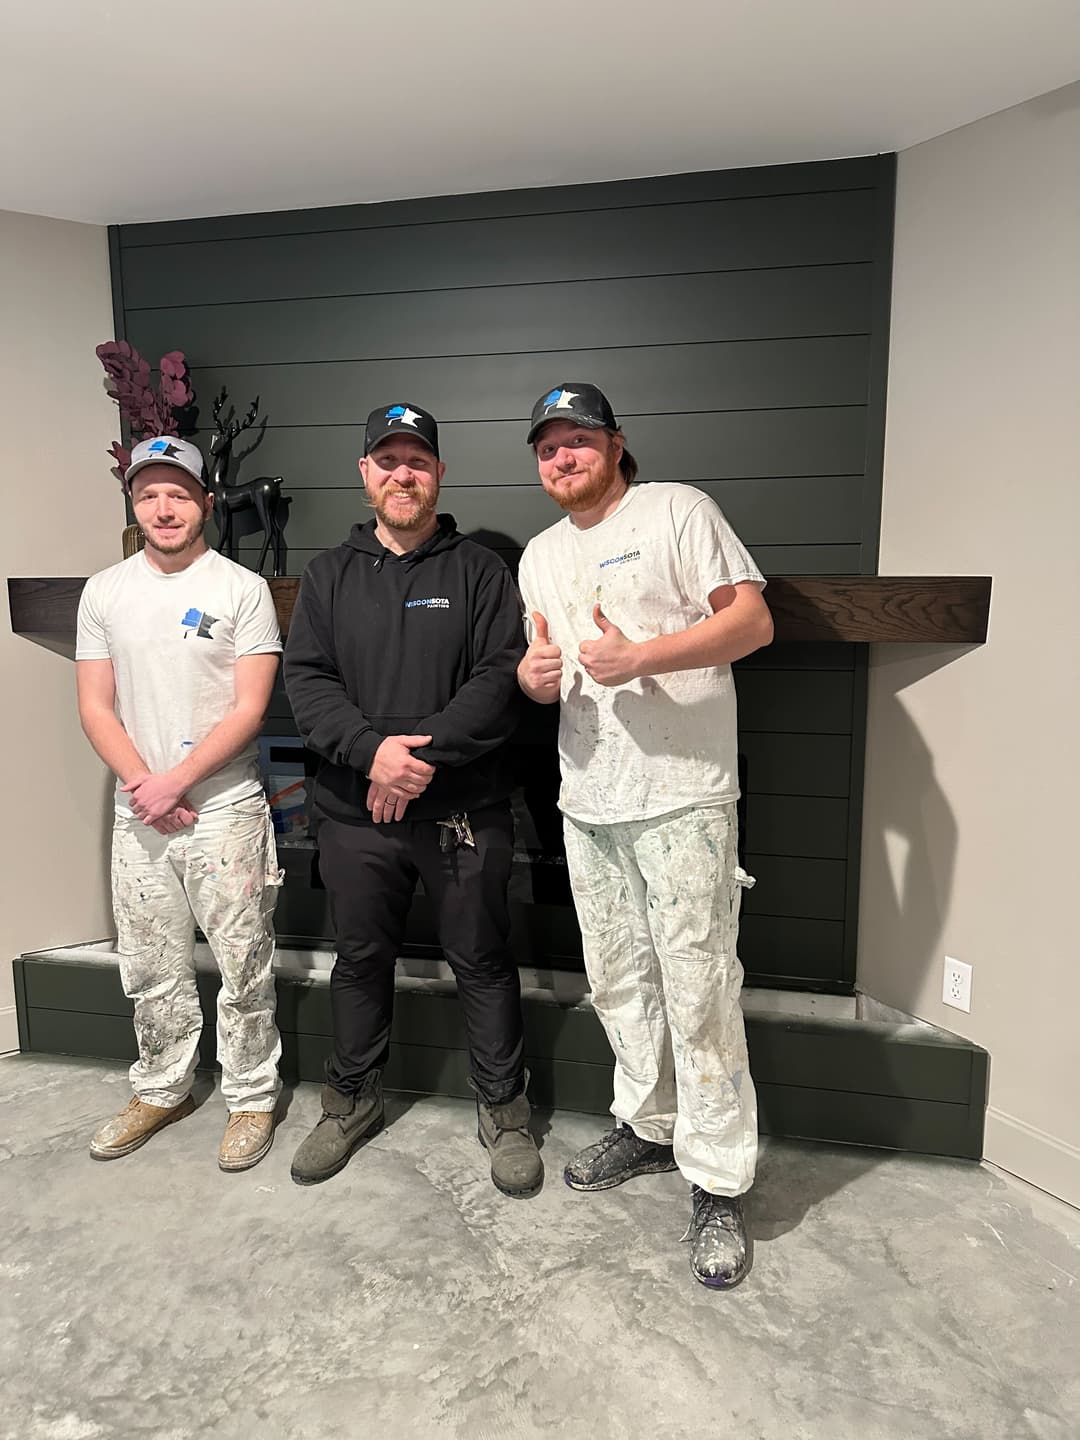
(956, 986)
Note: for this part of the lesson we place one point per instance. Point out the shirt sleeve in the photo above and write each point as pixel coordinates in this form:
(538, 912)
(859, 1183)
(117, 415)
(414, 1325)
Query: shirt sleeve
(91, 642)
(712, 554)
(256, 630)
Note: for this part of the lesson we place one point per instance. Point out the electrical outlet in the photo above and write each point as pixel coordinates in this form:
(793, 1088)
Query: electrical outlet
(956, 990)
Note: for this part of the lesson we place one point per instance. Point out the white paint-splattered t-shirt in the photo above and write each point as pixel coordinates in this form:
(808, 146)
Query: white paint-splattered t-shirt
(665, 742)
(174, 641)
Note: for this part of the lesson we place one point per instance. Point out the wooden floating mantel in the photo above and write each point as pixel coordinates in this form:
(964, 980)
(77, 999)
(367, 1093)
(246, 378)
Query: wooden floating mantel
(944, 610)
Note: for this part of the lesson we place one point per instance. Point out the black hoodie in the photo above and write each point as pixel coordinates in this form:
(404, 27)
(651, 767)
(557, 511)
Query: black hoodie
(425, 643)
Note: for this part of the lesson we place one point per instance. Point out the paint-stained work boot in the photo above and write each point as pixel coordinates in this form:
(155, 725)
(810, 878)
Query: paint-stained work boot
(347, 1122)
(248, 1136)
(134, 1126)
(617, 1156)
(503, 1130)
(721, 1252)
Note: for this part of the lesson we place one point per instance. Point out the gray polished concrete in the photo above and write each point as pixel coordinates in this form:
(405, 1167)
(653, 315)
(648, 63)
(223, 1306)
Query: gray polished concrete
(156, 1297)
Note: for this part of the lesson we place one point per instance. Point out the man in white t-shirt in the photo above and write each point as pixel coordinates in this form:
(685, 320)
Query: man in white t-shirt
(637, 602)
(176, 657)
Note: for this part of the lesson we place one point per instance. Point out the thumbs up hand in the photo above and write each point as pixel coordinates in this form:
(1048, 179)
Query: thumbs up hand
(540, 670)
(611, 659)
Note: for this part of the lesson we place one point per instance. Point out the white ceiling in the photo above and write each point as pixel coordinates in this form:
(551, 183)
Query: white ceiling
(123, 110)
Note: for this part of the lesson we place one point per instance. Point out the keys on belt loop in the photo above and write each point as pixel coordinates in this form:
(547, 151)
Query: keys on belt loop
(456, 832)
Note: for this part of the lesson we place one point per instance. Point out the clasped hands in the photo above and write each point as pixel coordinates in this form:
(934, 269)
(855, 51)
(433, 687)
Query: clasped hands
(610, 660)
(397, 776)
(159, 801)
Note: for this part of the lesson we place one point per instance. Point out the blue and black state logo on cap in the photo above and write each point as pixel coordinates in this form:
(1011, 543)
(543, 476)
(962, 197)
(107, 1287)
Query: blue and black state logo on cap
(401, 420)
(575, 401)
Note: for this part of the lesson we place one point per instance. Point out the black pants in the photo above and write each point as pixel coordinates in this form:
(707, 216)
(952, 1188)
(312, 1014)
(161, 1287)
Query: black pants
(370, 872)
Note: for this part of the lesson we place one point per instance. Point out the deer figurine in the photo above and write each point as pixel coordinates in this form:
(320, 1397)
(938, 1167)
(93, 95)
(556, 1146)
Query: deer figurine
(262, 495)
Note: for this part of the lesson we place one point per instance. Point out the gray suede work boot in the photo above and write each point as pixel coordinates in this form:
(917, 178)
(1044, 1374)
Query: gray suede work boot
(503, 1130)
(347, 1122)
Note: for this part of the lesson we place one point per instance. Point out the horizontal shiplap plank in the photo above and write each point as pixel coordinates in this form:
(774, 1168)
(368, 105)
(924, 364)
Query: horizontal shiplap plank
(321, 518)
(641, 380)
(765, 507)
(851, 174)
(795, 886)
(812, 702)
(776, 947)
(663, 310)
(806, 559)
(744, 445)
(751, 233)
(796, 764)
(783, 656)
(798, 825)
(770, 559)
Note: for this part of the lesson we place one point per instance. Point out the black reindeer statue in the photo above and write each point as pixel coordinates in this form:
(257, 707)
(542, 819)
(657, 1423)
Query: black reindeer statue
(262, 495)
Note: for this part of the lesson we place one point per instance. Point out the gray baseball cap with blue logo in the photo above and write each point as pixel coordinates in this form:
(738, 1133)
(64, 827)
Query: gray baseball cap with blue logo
(167, 450)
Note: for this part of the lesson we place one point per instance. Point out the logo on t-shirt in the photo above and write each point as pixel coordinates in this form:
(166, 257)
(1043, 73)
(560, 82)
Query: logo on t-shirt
(621, 559)
(200, 622)
(431, 602)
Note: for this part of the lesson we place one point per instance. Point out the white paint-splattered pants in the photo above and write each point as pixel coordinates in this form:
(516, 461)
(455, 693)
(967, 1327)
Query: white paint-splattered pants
(658, 905)
(221, 872)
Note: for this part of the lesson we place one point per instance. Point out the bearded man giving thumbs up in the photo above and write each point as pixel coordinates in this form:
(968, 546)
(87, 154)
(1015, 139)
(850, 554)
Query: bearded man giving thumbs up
(640, 598)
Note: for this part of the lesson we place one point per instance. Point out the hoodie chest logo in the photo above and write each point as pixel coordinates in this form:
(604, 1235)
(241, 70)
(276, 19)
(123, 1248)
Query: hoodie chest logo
(430, 602)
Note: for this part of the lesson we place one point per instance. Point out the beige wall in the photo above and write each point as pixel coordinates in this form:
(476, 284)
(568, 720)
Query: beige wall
(63, 514)
(973, 779)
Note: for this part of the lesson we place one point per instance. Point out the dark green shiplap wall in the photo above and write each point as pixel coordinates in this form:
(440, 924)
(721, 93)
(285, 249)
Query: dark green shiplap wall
(738, 321)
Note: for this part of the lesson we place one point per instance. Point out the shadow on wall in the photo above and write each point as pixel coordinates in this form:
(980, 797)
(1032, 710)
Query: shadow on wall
(504, 545)
(910, 834)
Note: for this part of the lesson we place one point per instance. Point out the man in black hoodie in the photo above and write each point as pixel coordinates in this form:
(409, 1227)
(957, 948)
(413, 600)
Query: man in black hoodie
(401, 668)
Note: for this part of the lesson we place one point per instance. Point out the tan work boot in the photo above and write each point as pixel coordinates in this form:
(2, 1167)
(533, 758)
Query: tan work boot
(248, 1136)
(134, 1126)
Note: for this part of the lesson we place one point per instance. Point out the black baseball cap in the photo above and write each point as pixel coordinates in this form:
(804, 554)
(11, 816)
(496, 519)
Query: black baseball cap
(575, 401)
(401, 420)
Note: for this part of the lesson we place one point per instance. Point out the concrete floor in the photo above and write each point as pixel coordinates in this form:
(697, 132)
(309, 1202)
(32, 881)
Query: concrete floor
(156, 1297)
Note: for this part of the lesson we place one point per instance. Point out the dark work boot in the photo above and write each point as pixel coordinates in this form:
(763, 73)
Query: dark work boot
(347, 1122)
(503, 1130)
(721, 1252)
(617, 1156)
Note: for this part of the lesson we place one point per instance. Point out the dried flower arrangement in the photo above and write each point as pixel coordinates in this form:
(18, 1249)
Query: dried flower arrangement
(167, 410)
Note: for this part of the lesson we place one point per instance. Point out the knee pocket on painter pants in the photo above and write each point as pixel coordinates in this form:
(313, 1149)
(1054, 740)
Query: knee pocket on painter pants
(240, 870)
(700, 955)
(617, 999)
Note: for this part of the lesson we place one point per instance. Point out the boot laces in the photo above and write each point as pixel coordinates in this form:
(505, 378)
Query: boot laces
(720, 1210)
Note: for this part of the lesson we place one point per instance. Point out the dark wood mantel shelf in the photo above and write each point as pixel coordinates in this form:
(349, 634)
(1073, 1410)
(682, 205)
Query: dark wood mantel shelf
(946, 610)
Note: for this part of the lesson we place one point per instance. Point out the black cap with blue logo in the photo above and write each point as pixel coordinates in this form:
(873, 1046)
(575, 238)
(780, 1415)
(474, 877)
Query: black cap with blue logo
(575, 401)
(401, 420)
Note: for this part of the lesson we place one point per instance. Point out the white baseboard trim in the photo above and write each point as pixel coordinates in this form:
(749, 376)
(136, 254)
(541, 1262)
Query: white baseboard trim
(1032, 1155)
(9, 1030)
